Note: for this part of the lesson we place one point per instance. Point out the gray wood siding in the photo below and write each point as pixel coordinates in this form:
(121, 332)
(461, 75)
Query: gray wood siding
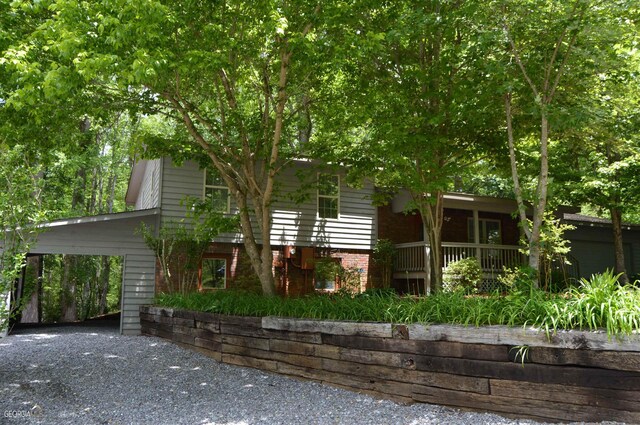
(116, 237)
(293, 223)
(592, 246)
(178, 182)
(299, 224)
(149, 195)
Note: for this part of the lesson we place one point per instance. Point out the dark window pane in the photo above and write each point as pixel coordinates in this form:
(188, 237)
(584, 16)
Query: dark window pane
(328, 185)
(327, 207)
(214, 273)
(219, 198)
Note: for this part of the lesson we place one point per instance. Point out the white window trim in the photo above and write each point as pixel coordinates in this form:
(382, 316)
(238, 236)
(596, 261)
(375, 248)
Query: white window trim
(226, 264)
(318, 196)
(206, 186)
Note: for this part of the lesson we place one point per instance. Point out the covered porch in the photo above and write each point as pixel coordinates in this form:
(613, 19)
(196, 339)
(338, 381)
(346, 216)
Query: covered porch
(473, 226)
(412, 260)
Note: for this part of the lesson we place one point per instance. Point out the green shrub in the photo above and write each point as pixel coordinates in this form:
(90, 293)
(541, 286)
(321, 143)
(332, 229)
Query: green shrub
(520, 279)
(384, 253)
(462, 276)
(599, 303)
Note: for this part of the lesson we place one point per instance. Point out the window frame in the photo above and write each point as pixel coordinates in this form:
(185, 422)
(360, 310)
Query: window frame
(206, 186)
(227, 263)
(471, 226)
(336, 197)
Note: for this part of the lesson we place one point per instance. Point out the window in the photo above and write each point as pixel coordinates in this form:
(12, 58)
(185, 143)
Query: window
(216, 191)
(328, 196)
(213, 273)
(489, 231)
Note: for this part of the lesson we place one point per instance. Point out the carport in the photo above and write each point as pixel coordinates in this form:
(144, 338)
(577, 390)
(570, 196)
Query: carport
(110, 235)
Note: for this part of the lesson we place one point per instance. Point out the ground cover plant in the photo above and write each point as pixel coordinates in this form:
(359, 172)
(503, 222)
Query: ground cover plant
(598, 303)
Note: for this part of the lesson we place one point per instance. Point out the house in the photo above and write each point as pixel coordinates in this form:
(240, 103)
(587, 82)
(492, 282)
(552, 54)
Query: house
(336, 222)
(328, 222)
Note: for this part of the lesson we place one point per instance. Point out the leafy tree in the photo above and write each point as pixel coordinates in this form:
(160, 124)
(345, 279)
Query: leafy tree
(417, 104)
(231, 75)
(553, 49)
(605, 154)
(19, 217)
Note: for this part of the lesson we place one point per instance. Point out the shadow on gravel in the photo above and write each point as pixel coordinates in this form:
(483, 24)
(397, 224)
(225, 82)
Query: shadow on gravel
(109, 322)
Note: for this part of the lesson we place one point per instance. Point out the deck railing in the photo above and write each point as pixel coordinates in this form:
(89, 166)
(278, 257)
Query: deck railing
(412, 257)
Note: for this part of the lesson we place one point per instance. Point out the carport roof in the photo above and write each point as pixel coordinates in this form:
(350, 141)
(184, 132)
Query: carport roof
(102, 218)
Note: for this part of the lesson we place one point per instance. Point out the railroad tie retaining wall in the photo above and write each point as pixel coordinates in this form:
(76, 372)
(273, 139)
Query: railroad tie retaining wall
(574, 376)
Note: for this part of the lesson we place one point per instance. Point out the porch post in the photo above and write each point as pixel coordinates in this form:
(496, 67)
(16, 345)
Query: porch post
(476, 234)
(427, 261)
(427, 269)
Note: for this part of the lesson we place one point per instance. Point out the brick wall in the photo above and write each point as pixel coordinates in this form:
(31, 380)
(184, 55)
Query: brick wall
(290, 278)
(399, 227)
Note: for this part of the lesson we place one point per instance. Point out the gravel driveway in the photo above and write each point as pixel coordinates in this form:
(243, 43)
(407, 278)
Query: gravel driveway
(93, 375)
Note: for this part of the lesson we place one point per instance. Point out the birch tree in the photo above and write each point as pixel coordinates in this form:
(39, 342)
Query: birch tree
(552, 49)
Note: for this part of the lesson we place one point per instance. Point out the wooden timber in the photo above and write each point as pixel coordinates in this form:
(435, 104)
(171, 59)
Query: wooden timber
(569, 376)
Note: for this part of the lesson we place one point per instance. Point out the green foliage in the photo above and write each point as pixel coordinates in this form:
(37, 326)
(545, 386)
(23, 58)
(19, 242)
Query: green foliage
(326, 272)
(89, 276)
(554, 249)
(462, 276)
(349, 278)
(19, 217)
(521, 279)
(598, 304)
(232, 81)
(179, 252)
(179, 246)
(383, 255)
(601, 302)
(328, 269)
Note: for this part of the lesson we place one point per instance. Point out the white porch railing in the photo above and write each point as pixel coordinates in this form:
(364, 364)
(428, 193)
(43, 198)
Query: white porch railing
(412, 257)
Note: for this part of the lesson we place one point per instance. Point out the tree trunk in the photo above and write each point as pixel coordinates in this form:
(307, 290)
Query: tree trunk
(532, 230)
(68, 288)
(261, 257)
(87, 293)
(431, 209)
(104, 285)
(618, 247)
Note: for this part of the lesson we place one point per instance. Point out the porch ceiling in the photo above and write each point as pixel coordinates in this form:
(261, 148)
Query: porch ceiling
(463, 201)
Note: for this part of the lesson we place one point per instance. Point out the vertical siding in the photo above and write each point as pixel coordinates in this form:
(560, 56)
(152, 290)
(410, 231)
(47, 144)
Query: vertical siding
(149, 194)
(293, 223)
(592, 246)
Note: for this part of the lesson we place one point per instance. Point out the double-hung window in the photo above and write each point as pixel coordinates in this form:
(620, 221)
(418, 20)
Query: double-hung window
(216, 192)
(328, 196)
